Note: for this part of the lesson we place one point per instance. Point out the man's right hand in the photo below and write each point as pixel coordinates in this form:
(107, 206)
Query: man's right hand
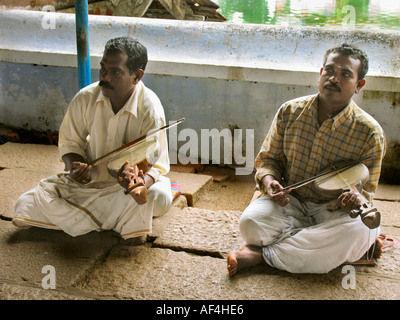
(275, 191)
(133, 180)
(80, 172)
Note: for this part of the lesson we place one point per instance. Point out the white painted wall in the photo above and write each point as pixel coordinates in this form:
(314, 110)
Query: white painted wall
(216, 75)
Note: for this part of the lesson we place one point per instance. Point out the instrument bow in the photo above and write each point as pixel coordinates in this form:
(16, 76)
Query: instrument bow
(344, 177)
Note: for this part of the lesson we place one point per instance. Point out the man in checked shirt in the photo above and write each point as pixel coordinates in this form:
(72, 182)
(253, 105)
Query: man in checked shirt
(295, 231)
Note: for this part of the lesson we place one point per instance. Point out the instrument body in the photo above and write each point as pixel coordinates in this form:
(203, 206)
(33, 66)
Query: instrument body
(141, 158)
(141, 154)
(333, 184)
(134, 143)
(349, 179)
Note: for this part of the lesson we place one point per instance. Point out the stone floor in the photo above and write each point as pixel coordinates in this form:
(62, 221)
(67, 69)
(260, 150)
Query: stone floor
(183, 259)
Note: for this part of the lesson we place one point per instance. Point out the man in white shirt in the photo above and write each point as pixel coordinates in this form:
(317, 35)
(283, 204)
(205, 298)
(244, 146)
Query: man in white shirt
(102, 117)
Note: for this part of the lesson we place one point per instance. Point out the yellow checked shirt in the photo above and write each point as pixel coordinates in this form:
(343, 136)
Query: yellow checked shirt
(297, 147)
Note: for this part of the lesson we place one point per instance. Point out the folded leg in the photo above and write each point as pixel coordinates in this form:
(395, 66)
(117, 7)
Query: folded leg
(333, 240)
(264, 222)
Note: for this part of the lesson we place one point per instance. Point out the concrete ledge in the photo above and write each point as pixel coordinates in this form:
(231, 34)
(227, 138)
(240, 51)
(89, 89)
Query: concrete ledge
(388, 192)
(192, 185)
(257, 53)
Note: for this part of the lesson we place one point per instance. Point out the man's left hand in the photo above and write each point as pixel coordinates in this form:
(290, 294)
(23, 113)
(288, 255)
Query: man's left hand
(133, 181)
(349, 200)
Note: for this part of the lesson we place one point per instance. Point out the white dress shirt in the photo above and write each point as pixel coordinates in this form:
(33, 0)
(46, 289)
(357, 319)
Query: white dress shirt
(91, 128)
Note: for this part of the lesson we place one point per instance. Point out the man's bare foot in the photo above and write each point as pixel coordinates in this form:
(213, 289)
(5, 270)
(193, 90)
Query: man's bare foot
(247, 256)
(376, 248)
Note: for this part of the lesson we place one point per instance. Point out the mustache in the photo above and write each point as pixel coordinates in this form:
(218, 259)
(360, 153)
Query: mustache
(332, 85)
(106, 85)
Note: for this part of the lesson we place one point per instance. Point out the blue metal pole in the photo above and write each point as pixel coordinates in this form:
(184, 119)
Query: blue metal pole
(82, 42)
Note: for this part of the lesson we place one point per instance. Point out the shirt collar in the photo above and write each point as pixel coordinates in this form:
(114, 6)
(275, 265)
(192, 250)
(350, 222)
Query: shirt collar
(338, 119)
(313, 108)
(131, 104)
(343, 115)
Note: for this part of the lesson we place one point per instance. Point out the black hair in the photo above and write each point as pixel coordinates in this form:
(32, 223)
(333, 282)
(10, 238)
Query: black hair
(136, 52)
(354, 52)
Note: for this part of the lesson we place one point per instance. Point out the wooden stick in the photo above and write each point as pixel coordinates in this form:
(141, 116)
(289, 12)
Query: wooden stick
(129, 144)
(309, 180)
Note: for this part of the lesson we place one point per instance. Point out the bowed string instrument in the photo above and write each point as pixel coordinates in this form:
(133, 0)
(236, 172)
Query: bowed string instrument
(141, 154)
(342, 177)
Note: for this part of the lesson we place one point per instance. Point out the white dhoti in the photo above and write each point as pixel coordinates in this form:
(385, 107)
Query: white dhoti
(304, 237)
(60, 203)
